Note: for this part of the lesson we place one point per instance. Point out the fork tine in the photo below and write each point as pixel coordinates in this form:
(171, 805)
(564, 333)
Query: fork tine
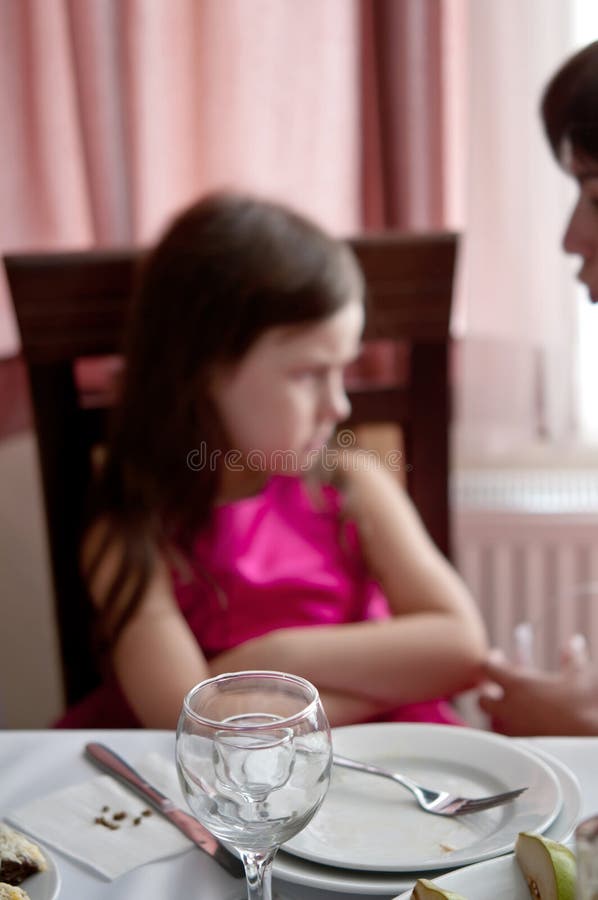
(477, 805)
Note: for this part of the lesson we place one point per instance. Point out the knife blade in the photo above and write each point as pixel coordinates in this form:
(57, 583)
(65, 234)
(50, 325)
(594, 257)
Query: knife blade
(106, 759)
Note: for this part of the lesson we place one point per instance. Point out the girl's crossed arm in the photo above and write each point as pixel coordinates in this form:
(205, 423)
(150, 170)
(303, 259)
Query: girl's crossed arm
(433, 646)
(157, 659)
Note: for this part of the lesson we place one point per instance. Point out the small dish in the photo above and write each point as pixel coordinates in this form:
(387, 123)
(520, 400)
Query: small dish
(44, 885)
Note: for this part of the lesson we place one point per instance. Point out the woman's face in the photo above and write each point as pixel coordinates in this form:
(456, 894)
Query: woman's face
(581, 235)
(281, 402)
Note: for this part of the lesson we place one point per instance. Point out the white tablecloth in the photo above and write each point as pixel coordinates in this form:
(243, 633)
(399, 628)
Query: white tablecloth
(33, 763)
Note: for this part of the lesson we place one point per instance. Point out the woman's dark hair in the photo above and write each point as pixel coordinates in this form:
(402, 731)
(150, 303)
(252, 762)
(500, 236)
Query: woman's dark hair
(227, 269)
(570, 105)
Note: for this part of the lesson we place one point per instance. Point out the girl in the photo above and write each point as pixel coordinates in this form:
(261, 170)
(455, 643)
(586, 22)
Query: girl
(217, 545)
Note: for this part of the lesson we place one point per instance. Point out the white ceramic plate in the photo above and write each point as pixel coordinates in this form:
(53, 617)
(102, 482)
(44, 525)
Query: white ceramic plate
(495, 879)
(309, 874)
(44, 885)
(368, 823)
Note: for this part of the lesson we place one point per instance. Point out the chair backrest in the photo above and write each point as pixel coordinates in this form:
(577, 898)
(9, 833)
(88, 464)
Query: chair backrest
(70, 307)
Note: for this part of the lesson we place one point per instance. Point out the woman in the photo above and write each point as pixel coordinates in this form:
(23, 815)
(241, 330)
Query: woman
(524, 701)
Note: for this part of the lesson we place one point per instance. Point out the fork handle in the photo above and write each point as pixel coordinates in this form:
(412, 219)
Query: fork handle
(346, 763)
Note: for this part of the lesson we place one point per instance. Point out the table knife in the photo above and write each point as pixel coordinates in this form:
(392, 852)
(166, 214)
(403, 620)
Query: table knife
(116, 766)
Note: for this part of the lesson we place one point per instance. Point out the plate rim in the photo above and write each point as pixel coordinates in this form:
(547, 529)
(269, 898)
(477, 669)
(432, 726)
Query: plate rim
(426, 732)
(563, 773)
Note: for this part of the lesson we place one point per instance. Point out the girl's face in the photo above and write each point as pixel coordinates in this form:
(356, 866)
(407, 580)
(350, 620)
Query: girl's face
(581, 235)
(281, 402)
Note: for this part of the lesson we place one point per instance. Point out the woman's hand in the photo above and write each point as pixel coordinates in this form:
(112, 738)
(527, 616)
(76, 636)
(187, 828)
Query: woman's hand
(526, 701)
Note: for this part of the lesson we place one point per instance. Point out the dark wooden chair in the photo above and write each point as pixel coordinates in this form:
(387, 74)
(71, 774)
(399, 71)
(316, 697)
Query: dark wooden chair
(70, 308)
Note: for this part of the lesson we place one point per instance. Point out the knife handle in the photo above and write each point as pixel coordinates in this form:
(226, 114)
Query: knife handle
(114, 764)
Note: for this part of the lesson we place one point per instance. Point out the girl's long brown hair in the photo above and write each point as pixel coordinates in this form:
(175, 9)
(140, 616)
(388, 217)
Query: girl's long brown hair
(227, 269)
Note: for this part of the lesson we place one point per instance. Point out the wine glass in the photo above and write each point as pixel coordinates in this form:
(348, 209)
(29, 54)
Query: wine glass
(254, 753)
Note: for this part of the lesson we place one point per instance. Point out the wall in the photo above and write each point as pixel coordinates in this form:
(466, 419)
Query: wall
(30, 686)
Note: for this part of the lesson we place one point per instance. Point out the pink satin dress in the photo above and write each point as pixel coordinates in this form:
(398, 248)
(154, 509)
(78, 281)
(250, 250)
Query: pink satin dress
(282, 558)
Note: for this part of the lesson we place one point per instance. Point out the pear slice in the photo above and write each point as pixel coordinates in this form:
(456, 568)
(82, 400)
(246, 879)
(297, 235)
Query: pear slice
(548, 867)
(427, 890)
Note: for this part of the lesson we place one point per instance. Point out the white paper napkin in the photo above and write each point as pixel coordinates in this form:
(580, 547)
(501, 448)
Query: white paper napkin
(66, 819)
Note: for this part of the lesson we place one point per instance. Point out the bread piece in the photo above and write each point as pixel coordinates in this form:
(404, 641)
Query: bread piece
(19, 857)
(10, 892)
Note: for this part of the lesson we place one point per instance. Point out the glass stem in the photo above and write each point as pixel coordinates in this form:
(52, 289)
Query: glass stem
(258, 872)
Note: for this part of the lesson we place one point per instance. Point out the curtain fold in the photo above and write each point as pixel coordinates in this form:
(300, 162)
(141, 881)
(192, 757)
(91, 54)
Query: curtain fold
(403, 142)
(95, 32)
(403, 131)
(44, 201)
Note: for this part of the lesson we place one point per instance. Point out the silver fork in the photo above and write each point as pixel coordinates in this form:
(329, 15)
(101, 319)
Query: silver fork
(440, 803)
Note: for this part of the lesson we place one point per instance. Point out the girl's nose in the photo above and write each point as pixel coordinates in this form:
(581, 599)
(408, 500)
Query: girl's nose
(343, 406)
(581, 234)
(337, 404)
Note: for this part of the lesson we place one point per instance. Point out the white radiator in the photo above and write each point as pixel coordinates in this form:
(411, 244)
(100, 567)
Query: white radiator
(526, 543)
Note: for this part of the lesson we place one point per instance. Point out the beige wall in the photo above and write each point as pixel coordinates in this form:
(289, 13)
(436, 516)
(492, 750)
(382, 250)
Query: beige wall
(30, 687)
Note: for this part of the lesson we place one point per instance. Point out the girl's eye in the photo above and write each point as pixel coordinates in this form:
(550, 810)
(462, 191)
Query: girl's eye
(308, 374)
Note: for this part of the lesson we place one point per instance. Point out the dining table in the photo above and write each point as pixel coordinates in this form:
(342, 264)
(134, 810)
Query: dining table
(35, 763)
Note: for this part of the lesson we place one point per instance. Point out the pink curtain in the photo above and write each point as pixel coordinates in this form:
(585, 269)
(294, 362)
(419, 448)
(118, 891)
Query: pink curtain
(404, 184)
(43, 196)
(410, 114)
(452, 139)
(403, 114)
(114, 113)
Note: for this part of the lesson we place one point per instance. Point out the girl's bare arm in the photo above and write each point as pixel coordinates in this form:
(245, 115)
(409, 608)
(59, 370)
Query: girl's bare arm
(155, 658)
